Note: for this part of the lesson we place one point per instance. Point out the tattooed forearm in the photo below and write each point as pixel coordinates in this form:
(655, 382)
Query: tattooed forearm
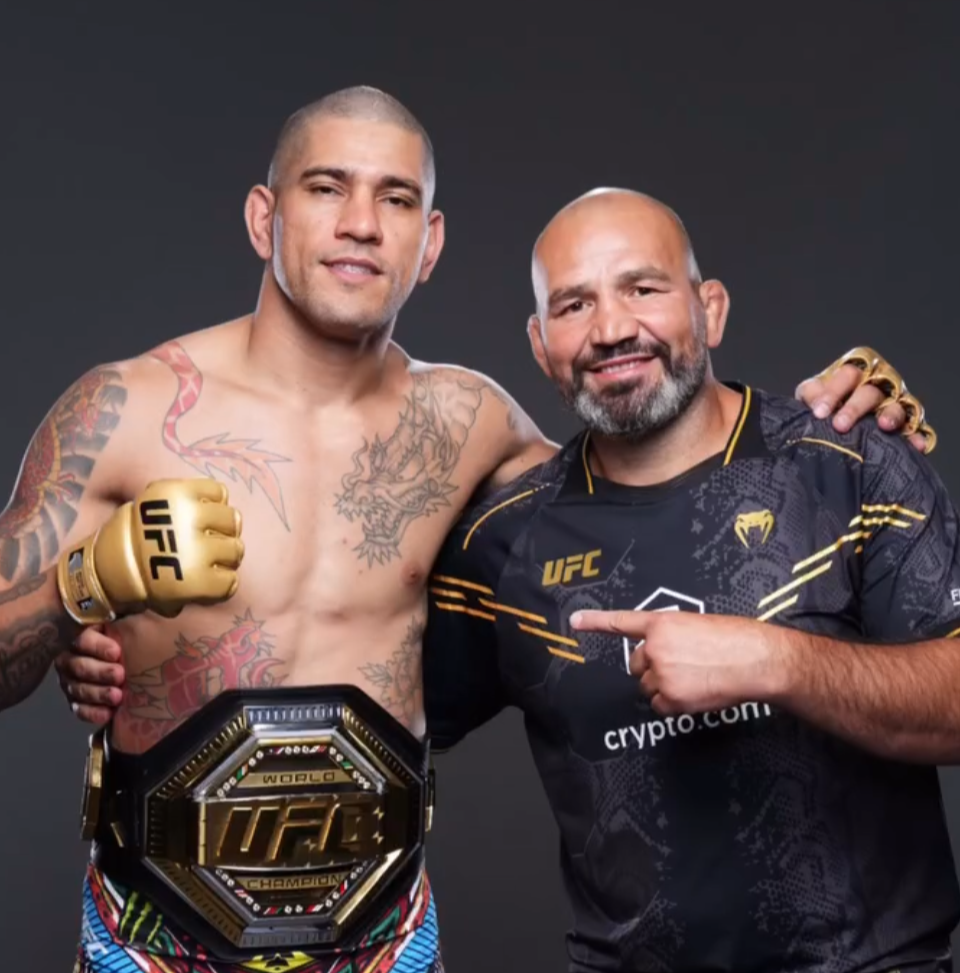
(232, 459)
(163, 696)
(410, 475)
(400, 679)
(27, 649)
(55, 472)
(53, 477)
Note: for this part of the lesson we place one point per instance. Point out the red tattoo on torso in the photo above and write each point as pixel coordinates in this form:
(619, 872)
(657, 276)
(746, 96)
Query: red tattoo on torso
(164, 696)
(236, 459)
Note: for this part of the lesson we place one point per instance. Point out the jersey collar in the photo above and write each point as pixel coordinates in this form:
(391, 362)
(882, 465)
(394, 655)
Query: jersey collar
(745, 440)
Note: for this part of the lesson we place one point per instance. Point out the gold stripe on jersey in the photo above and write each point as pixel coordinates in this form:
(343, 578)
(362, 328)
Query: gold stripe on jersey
(831, 549)
(496, 609)
(496, 606)
(447, 607)
(446, 579)
(493, 510)
(826, 442)
(953, 634)
(734, 439)
(573, 657)
(553, 637)
(879, 521)
(803, 579)
(884, 508)
(550, 636)
(770, 612)
(448, 594)
(586, 463)
(887, 509)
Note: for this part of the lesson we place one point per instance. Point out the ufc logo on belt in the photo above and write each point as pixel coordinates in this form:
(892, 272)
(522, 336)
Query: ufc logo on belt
(156, 514)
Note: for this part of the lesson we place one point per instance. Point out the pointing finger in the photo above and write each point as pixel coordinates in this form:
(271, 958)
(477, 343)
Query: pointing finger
(629, 623)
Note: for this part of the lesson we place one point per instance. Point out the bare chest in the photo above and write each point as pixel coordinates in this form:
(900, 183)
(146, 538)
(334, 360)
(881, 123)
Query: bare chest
(336, 521)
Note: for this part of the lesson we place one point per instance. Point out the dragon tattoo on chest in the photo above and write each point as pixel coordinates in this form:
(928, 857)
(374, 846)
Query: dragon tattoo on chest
(409, 475)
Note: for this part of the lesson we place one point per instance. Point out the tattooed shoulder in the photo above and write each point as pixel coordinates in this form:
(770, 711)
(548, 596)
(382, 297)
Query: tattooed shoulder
(410, 473)
(57, 469)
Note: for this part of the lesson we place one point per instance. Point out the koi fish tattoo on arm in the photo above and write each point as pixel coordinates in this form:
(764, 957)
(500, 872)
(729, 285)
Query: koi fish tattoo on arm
(55, 472)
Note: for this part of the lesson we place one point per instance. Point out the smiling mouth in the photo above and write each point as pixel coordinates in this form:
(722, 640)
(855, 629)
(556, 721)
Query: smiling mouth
(352, 268)
(622, 364)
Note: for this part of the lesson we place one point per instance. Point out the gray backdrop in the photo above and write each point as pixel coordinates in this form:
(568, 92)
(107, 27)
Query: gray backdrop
(812, 151)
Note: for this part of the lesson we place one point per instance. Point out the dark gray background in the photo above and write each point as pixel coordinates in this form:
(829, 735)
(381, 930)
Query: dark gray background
(811, 148)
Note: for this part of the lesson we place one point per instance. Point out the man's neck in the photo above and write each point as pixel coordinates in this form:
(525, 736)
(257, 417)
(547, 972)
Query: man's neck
(702, 431)
(302, 360)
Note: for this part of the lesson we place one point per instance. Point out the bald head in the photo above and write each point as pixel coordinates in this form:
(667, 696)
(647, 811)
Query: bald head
(607, 211)
(360, 103)
(624, 323)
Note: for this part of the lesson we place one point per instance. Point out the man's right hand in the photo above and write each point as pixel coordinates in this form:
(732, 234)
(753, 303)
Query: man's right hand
(178, 543)
(92, 676)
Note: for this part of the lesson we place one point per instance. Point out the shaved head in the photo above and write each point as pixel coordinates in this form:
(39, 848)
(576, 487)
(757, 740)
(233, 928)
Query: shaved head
(627, 202)
(361, 103)
(622, 325)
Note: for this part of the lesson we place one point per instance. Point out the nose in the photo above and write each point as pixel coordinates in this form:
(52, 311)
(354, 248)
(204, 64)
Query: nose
(359, 220)
(613, 323)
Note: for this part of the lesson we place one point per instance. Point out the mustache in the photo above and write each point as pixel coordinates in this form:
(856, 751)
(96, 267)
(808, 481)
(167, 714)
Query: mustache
(633, 346)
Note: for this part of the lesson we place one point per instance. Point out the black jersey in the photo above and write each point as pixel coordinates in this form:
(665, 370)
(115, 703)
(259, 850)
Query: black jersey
(743, 840)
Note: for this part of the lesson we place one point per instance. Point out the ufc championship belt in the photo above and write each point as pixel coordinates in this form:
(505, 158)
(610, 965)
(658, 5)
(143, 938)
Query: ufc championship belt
(280, 819)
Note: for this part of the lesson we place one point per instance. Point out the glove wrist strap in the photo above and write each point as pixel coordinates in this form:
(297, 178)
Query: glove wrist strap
(80, 589)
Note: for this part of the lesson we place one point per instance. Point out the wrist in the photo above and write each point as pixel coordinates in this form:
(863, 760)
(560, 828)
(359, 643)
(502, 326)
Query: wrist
(786, 651)
(80, 590)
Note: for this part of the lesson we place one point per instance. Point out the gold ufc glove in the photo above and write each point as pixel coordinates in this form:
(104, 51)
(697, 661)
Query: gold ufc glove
(178, 543)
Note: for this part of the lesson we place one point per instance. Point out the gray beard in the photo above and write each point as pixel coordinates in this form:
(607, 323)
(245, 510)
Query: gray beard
(635, 412)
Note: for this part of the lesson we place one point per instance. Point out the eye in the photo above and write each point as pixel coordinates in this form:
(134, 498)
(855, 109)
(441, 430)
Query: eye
(323, 189)
(400, 201)
(642, 291)
(570, 308)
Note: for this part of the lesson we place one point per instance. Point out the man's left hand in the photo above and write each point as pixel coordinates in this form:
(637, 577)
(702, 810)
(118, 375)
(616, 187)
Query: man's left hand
(848, 393)
(691, 663)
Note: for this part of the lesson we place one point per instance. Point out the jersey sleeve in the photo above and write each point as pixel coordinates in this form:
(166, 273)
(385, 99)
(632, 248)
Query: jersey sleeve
(911, 549)
(461, 673)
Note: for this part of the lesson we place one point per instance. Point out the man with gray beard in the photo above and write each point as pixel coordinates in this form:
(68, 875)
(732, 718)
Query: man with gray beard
(729, 626)
(618, 412)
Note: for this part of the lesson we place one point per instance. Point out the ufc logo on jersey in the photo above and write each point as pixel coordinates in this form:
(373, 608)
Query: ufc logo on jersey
(565, 569)
(955, 597)
(155, 514)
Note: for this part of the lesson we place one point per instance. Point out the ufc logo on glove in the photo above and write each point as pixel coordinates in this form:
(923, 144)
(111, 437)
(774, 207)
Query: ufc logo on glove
(156, 513)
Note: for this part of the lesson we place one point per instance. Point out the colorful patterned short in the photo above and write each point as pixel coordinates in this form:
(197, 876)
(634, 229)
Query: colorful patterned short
(123, 933)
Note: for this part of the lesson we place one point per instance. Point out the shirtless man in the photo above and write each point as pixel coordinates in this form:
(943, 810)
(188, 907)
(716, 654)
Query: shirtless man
(347, 461)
